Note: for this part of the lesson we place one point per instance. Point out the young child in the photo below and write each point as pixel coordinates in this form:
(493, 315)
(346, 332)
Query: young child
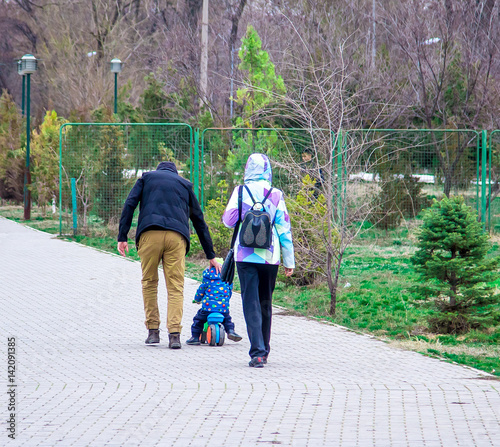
(214, 295)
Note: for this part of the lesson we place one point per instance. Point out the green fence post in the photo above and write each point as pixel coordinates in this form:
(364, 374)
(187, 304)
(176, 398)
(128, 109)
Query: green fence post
(490, 150)
(73, 202)
(60, 178)
(484, 147)
(197, 163)
(202, 170)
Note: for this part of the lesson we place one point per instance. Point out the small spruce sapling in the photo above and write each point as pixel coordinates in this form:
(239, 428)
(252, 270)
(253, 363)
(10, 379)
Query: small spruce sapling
(451, 259)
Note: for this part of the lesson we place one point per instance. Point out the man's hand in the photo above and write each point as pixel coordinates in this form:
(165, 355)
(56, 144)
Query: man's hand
(288, 272)
(215, 265)
(123, 247)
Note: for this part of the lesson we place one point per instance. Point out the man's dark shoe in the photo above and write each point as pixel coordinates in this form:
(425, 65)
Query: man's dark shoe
(174, 340)
(193, 341)
(264, 359)
(256, 362)
(153, 337)
(234, 336)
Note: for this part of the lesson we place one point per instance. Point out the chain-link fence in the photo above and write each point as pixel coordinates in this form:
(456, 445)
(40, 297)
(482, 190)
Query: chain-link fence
(393, 174)
(294, 152)
(105, 160)
(399, 172)
(390, 174)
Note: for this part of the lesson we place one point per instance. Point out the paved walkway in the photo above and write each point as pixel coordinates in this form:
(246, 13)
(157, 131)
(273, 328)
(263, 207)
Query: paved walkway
(85, 377)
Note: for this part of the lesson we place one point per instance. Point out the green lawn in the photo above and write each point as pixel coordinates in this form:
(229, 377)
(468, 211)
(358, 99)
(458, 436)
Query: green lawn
(375, 295)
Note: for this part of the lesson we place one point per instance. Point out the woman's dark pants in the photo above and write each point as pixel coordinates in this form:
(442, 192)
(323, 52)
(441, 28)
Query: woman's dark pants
(257, 285)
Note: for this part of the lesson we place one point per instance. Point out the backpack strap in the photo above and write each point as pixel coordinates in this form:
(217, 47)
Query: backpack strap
(237, 227)
(267, 195)
(240, 195)
(249, 193)
(253, 200)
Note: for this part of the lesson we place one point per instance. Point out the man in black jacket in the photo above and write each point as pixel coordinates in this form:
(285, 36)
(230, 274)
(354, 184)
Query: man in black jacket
(167, 203)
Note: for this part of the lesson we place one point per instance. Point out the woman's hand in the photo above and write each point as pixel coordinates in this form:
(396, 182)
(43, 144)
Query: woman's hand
(288, 272)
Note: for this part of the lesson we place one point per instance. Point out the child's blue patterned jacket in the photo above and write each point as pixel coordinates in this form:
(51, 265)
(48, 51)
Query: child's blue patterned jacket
(213, 293)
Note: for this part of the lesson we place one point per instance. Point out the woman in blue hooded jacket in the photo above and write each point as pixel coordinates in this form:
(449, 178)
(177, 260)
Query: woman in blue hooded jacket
(258, 267)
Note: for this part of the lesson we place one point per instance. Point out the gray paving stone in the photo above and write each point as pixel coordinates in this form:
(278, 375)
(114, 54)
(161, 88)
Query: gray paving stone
(85, 377)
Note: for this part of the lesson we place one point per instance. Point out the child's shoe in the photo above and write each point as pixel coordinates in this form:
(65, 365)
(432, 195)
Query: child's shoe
(233, 336)
(193, 341)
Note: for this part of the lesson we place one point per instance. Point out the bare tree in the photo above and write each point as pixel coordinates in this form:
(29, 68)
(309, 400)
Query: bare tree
(318, 101)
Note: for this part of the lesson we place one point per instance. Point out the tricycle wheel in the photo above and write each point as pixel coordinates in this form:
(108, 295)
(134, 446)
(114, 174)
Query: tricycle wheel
(222, 335)
(212, 335)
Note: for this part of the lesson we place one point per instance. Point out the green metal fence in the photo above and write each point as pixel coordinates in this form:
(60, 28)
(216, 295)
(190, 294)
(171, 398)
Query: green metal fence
(399, 172)
(105, 160)
(389, 174)
(224, 153)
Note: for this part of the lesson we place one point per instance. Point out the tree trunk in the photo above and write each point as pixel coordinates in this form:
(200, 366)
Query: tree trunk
(333, 280)
(331, 284)
(235, 20)
(447, 183)
(453, 284)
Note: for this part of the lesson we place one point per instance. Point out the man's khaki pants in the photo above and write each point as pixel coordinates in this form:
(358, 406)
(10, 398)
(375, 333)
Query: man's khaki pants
(168, 247)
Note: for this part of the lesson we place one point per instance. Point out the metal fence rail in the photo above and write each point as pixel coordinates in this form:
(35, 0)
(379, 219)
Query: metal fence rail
(105, 160)
(396, 173)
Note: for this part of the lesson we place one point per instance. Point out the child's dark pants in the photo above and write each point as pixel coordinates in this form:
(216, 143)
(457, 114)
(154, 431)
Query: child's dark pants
(200, 319)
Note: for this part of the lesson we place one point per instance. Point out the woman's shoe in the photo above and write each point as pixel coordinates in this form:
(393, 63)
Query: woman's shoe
(256, 362)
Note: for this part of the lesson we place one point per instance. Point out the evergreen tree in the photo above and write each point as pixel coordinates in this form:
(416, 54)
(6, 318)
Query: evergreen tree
(111, 186)
(263, 87)
(45, 156)
(263, 84)
(80, 160)
(12, 150)
(451, 257)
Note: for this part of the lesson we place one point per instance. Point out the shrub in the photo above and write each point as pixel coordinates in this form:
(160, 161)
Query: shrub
(12, 150)
(45, 156)
(111, 187)
(399, 197)
(451, 258)
(308, 218)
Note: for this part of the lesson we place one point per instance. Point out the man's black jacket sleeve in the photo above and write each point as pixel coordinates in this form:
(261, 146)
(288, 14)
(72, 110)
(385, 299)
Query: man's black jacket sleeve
(196, 216)
(128, 210)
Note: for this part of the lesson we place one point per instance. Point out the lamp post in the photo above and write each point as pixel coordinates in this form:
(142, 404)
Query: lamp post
(26, 69)
(116, 67)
